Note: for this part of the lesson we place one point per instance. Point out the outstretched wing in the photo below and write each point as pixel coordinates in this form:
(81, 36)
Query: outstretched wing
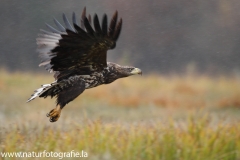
(78, 50)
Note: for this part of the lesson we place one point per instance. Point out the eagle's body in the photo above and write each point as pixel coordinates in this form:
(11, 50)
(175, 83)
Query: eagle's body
(77, 57)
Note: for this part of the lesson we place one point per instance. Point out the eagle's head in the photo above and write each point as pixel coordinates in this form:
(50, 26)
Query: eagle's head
(119, 71)
(126, 71)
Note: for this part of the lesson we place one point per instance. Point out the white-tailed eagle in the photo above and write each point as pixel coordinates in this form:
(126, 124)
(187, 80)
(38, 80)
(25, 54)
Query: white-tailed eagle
(77, 55)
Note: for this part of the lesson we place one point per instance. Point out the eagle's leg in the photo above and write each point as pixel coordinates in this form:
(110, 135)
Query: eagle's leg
(71, 88)
(54, 114)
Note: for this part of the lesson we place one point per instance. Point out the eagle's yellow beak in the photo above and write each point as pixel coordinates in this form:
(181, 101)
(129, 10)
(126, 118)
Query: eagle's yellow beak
(136, 71)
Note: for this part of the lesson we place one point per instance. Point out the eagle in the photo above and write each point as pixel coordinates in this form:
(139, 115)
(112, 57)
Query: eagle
(77, 55)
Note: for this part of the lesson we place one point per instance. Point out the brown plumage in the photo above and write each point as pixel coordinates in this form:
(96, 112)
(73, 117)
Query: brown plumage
(78, 57)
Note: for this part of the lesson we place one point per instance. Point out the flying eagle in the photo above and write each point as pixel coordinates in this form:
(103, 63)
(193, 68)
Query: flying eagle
(77, 55)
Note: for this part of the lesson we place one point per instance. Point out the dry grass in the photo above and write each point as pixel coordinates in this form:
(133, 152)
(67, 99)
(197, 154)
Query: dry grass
(230, 102)
(176, 92)
(195, 139)
(149, 117)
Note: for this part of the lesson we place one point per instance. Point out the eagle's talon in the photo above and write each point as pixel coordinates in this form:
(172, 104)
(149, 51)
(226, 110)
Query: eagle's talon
(52, 119)
(54, 114)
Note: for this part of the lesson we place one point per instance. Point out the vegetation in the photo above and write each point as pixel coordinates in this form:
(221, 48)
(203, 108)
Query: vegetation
(151, 117)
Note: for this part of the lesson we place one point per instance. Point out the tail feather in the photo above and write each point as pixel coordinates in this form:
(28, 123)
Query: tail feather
(40, 91)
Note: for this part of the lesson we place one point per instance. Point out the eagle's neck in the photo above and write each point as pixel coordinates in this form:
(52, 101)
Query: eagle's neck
(109, 74)
(112, 73)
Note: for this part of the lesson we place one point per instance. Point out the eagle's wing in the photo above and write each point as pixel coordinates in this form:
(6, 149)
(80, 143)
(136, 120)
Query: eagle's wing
(78, 50)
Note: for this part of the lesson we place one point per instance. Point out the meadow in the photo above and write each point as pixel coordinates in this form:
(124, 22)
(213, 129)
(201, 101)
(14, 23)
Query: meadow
(149, 117)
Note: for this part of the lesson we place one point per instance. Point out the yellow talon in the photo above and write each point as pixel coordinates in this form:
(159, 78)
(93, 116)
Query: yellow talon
(54, 114)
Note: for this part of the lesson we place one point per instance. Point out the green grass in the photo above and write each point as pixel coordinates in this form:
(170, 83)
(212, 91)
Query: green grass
(150, 117)
(196, 139)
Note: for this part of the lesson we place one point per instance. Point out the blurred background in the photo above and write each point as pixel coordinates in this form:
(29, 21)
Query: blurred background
(157, 36)
(185, 106)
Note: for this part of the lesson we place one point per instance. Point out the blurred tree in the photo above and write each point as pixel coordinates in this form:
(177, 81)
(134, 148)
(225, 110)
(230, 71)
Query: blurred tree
(158, 36)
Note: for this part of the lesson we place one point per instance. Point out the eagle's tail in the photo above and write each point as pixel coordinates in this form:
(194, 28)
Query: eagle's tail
(41, 90)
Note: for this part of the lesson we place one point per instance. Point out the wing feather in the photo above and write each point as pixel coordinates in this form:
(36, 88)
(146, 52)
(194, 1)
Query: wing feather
(104, 25)
(50, 34)
(76, 50)
(74, 19)
(88, 27)
(82, 19)
(90, 19)
(67, 23)
(97, 25)
(60, 27)
(117, 30)
(113, 24)
(52, 29)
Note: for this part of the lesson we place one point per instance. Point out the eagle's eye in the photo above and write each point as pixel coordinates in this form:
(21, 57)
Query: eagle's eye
(130, 69)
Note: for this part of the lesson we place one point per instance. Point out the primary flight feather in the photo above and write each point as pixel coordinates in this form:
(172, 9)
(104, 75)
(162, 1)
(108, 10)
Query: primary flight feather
(77, 55)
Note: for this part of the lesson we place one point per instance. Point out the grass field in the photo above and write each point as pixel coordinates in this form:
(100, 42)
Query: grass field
(151, 117)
